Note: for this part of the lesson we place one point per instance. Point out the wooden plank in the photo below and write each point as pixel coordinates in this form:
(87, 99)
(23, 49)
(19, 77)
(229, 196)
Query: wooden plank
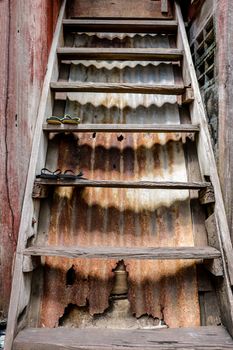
(199, 338)
(120, 25)
(62, 86)
(132, 54)
(210, 308)
(206, 196)
(125, 252)
(208, 167)
(124, 184)
(118, 9)
(188, 96)
(215, 267)
(30, 264)
(127, 128)
(40, 191)
(164, 6)
(224, 16)
(20, 293)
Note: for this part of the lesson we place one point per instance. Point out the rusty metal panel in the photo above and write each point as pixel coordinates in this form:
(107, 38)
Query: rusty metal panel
(121, 217)
(26, 34)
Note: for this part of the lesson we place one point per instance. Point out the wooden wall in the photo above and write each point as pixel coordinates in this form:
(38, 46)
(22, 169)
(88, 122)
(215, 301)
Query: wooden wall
(224, 18)
(221, 102)
(25, 37)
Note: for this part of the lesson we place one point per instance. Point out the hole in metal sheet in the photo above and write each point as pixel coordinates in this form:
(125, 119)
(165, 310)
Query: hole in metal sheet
(120, 138)
(70, 276)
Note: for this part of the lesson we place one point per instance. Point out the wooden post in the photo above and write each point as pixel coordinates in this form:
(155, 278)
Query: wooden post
(224, 16)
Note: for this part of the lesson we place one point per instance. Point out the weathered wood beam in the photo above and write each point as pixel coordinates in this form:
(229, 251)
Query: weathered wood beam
(120, 25)
(206, 196)
(188, 96)
(124, 184)
(125, 252)
(216, 266)
(132, 54)
(62, 86)
(127, 128)
(198, 338)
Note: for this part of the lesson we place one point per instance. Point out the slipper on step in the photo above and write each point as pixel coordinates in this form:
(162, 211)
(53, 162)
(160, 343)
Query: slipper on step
(70, 120)
(70, 175)
(54, 120)
(48, 174)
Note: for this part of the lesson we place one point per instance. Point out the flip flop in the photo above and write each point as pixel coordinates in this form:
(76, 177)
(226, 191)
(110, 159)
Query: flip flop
(54, 120)
(70, 175)
(48, 174)
(70, 120)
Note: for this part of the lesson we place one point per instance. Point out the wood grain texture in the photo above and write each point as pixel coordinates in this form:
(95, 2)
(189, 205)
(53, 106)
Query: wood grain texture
(223, 65)
(124, 184)
(208, 167)
(20, 292)
(127, 128)
(120, 25)
(132, 54)
(124, 252)
(200, 338)
(117, 88)
(119, 9)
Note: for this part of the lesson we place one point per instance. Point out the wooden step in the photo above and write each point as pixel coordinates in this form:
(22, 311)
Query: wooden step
(169, 185)
(197, 253)
(198, 338)
(126, 128)
(120, 25)
(132, 54)
(62, 86)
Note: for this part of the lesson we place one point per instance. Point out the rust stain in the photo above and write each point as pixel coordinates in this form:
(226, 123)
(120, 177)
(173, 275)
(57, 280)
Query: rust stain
(122, 217)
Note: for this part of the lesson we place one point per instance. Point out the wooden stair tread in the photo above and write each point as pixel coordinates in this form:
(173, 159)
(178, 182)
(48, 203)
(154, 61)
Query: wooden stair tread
(125, 184)
(153, 128)
(63, 86)
(198, 338)
(133, 54)
(120, 25)
(107, 252)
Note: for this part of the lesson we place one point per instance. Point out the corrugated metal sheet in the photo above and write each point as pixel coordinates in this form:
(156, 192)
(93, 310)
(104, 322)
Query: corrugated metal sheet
(123, 40)
(122, 217)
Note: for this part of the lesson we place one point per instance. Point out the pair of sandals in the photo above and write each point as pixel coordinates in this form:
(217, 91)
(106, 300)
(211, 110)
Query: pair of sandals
(58, 175)
(67, 119)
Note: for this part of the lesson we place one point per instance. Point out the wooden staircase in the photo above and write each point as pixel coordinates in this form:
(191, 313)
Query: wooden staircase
(23, 332)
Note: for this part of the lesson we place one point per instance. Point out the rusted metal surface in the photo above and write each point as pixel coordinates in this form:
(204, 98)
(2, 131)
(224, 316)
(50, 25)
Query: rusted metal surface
(121, 217)
(26, 33)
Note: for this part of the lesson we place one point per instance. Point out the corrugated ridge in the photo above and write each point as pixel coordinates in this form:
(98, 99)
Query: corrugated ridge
(150, 74)
(118, 40)
(109, 65)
